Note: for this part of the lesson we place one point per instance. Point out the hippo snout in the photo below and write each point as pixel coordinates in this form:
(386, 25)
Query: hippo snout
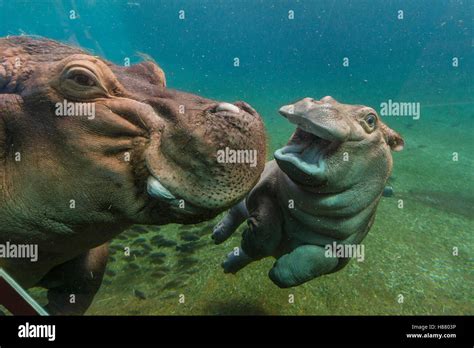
(320, 118)
(209, 156)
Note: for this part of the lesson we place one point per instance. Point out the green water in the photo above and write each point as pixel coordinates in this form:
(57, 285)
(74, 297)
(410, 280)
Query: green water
(409, 250)
(418, 258)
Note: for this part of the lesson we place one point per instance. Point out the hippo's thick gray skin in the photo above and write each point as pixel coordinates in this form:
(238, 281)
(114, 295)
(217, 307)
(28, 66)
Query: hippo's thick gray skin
(71, 180)
(324, 187)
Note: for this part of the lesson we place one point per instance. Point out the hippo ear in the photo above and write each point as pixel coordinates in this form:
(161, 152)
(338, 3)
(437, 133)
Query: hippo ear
(394, 140)
(150, 71)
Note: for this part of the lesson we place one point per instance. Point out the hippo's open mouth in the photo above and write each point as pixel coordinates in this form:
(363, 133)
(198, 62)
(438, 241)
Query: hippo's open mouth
(304, 159)
(316, 135)
(306, 152)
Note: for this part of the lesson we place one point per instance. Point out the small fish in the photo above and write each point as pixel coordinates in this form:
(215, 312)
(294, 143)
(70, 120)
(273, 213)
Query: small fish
(139, 294)
(387, 191)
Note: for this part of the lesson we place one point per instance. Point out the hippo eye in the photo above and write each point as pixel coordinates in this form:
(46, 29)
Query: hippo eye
(370, 119)
(81, 82)
(82, 79)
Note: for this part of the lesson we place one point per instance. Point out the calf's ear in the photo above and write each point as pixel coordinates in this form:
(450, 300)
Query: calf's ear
(393, 139)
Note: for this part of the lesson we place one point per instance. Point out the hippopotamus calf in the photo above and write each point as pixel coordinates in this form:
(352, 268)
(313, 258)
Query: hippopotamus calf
(88, 148)
(322, 189)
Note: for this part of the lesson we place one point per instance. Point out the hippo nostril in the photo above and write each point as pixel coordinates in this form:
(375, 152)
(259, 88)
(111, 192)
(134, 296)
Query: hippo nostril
(287, 110)
(246, 107)
(227, 107)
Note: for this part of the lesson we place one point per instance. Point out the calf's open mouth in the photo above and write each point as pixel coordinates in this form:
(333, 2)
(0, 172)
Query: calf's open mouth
(307, 155)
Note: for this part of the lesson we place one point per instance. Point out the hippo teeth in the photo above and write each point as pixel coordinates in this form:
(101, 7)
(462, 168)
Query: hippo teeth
(157, 190)
(227, 107)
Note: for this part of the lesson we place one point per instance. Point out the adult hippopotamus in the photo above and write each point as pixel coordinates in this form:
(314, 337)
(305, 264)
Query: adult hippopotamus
(89, 148)
(320, 194)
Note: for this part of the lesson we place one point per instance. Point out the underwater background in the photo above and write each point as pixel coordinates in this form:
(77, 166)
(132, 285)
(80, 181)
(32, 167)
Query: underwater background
(419, 259)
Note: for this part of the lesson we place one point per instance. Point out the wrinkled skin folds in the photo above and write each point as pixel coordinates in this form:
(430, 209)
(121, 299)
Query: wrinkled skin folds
(88, 148)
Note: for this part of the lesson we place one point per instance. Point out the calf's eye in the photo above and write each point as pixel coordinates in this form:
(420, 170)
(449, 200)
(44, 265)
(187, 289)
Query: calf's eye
(370, 119)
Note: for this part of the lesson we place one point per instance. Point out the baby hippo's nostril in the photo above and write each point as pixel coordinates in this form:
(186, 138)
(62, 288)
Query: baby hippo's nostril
(227, 107)
(287, 110)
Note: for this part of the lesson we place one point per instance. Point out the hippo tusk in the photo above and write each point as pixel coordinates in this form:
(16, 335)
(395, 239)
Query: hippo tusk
(157, 190)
